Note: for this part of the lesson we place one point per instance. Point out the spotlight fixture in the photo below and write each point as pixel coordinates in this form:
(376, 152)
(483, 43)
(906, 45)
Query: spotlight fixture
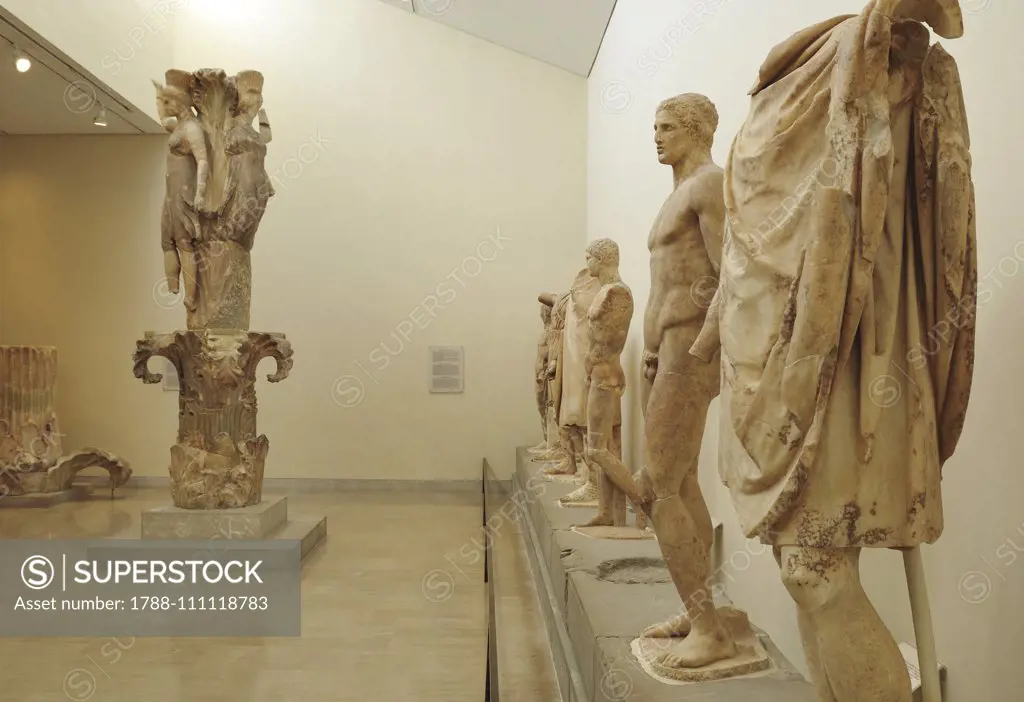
(21, 61)
(101, 117)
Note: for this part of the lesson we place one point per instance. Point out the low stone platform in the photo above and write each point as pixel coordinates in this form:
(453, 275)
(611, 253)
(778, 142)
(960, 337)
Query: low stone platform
(47, 499)
(267, 520)
(599, 595)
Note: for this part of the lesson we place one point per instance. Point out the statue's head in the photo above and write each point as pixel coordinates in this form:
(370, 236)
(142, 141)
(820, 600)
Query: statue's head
(175, 97)
(250, 93)
(602, 255)
(683, 124)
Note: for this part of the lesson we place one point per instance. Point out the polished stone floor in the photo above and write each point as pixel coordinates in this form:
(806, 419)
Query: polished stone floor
(526, 671)
(393, 609)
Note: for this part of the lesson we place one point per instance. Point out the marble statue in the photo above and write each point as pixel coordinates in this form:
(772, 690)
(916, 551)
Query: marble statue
(572, 417)
(32, 460)
(846, 317)
(541, 371)
(217, 191)
(686, 250)
(608, 319)
(188, 172)
(555, 338)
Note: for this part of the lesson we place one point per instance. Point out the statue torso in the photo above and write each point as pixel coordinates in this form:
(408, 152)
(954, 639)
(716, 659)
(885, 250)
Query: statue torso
(681, 269)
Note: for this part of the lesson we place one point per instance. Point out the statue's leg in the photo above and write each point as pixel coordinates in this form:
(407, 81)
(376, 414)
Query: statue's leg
(540, 389)
(577, 451)
(648, 371)
(602, 410)
(599, 430)
(172, 270)
(189, 274)
(676, 414)
(812, 648)
(552, 420)
(618, 500)
(853, 656)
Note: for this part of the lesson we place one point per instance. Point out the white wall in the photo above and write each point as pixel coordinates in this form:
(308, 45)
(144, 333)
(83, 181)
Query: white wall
(658, 48)
(124, 43)
(400, 148)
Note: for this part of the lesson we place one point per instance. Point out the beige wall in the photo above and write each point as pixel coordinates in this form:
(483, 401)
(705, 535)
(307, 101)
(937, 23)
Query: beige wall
(401, 147)
(658, 48)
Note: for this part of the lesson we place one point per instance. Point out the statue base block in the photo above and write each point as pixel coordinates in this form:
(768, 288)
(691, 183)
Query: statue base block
(589, 504)
(752, 657)
(598, 595)
(256, 522)
(47, 499)
(267, 520)
(622, 533)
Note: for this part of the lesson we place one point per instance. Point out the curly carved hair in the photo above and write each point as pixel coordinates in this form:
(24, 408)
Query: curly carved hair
(697, 115)
(605, 251)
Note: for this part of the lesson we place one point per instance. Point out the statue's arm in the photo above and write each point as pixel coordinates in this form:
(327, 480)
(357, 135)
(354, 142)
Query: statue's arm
(197, 145)
(554, 355)
(711, 212)
(614, 299)
(710, 206)
(265, 132)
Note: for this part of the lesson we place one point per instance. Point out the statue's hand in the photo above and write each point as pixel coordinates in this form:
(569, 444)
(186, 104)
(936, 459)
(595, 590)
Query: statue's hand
(200, 202)
(643, 481)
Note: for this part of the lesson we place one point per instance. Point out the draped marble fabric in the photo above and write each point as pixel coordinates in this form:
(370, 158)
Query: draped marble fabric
(846, 308)
(573, 408)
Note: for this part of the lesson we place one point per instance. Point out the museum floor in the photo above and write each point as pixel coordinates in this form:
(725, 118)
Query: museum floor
(369, 631)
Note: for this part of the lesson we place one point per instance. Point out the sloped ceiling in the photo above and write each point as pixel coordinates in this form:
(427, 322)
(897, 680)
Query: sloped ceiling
(564, 33)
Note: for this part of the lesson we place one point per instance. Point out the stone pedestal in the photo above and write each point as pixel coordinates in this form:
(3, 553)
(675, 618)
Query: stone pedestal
(255, 522)
(31, 451)
(218, 460)
(598, 595)
(267, 520)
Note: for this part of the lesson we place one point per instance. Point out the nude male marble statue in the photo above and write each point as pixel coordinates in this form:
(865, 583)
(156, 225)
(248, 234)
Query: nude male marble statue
(686, 250)
(608, 321)
(685, 244)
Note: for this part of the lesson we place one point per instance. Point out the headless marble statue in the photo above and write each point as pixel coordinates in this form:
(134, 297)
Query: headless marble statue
(846, 316)
(556, 445)
(540, 372)
(575, 379)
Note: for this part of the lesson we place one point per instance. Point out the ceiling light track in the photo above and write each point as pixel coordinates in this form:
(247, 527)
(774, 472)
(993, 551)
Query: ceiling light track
(107, 98)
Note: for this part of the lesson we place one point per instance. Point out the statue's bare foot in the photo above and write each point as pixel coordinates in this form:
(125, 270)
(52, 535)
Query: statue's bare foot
(676, 627)
(699, 649)
(599, 521)
(585, 493)
(560, 468)
(542, 447)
